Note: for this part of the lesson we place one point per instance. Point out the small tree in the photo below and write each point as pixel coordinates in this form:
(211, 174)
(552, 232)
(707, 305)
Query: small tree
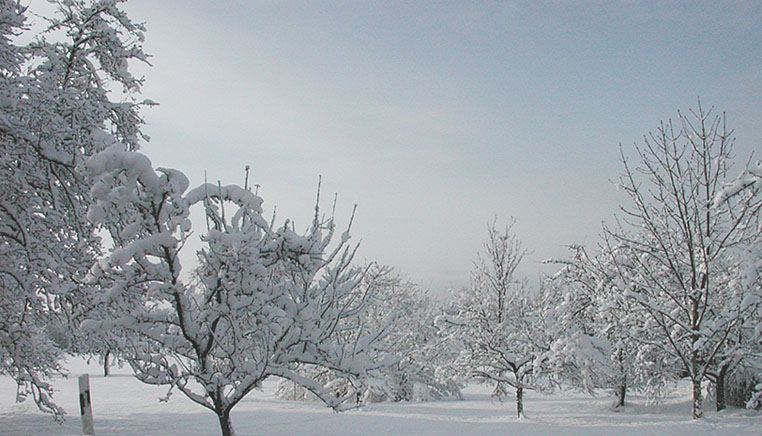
(675, 241)
(600, 337)
(260, 301)
(497, 320)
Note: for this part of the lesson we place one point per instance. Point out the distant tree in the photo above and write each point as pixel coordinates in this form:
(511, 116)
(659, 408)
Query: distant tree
(418, 349)
(676, 241)
(56, 109)
(418, 354)
(261, 300)
(421, 371)
(498, 320)
(601, 338)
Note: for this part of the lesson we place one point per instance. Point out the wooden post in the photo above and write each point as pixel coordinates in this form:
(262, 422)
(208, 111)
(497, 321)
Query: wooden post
(85, 406)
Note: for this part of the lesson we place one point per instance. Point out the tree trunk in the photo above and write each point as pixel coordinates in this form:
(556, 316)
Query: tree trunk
(697, 411)
(225, 425)
(105, 363)
(722, 402)
(621, 393)
(520, 402)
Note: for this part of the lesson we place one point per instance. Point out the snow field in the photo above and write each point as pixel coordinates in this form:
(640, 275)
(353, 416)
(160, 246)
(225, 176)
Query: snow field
(126, 407)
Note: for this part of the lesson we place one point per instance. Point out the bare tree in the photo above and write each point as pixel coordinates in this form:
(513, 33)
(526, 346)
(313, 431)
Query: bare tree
(674, 243)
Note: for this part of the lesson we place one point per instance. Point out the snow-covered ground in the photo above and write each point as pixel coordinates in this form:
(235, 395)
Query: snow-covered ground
(123, 406)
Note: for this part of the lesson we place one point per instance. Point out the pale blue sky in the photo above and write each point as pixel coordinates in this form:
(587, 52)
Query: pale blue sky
(436, 116)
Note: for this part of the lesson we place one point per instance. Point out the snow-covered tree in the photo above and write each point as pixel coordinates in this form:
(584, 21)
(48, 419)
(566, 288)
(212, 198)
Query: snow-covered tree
(741, 357)
(421, 371)
(55, 104)
(498, 321)
(742, 302)
(418, 352)
(600, 337)
(678, 241)
(743, 384)
(260, 301)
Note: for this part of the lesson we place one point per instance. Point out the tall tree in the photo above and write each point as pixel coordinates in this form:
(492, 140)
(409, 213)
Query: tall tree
(55, 111)
(675, 242)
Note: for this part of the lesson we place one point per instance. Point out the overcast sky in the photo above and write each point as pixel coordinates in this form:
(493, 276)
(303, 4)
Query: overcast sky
(434, 116)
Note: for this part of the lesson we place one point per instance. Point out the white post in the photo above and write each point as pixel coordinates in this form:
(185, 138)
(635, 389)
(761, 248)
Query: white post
(85, 407)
